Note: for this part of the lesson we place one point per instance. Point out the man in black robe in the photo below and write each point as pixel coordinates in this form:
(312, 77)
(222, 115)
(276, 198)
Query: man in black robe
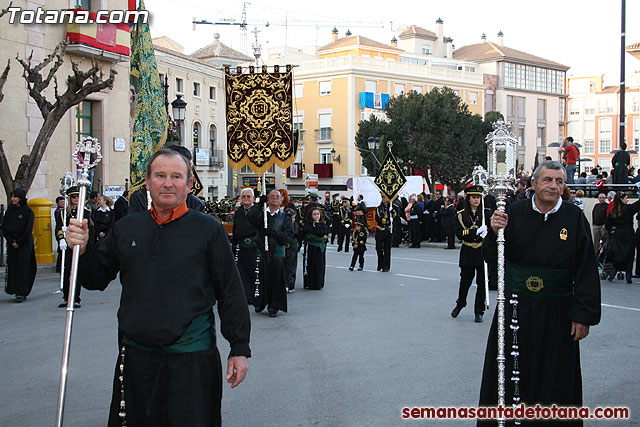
(244, 237)
(121, 206)
(435, 207)
(620, 163)
(551, 266)
(447, 222)
(272, 292)
(17, 229)
(174, 265)
(384, 221)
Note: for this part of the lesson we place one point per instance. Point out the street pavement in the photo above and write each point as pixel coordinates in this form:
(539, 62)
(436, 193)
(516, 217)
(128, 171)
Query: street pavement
(352, 354)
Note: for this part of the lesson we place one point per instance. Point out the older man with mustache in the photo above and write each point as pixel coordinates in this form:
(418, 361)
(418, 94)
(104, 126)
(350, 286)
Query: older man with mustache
(550, 265)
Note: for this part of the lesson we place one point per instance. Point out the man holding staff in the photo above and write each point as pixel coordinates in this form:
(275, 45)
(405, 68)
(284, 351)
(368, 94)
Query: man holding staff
(550, 265)
(174, 265)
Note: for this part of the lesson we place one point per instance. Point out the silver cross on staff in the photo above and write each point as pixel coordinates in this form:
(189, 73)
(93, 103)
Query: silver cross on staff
(88, 146)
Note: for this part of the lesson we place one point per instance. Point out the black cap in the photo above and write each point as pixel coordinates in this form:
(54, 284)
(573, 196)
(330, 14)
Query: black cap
(473, 190)
(73, 191)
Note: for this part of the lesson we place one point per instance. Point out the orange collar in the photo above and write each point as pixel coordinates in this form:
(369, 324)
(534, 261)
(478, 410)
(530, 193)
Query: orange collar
(176, 213)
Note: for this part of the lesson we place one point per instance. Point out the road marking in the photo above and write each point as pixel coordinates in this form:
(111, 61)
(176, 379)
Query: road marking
(415, 277)
(619, 306)
(417, 259)
(345, 268)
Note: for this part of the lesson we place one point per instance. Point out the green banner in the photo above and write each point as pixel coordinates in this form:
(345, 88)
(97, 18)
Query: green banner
(150, 115)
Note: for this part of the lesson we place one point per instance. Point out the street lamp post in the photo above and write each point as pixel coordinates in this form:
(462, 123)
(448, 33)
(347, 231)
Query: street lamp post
(374, 144)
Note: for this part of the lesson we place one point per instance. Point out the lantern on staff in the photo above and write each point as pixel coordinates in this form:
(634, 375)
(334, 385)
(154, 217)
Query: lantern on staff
(502, 146)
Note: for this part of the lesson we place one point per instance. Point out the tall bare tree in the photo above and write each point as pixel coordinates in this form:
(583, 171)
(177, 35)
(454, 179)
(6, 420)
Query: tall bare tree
(80, 84)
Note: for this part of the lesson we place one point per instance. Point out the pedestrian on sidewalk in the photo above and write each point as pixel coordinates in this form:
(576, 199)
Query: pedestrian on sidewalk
(17, 229)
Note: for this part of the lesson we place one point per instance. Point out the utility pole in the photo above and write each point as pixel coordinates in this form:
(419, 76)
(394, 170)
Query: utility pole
(623, 119)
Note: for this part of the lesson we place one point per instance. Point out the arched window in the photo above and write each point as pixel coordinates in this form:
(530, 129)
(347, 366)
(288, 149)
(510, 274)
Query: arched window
(213, 136)
(197, 132)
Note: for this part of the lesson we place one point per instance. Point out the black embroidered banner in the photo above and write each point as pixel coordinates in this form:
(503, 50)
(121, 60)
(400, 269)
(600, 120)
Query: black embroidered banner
(259, 119)
(390, 179)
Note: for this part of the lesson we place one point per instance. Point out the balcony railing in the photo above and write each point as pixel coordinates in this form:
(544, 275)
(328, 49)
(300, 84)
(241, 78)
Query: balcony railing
(323, 135)
(217, 158)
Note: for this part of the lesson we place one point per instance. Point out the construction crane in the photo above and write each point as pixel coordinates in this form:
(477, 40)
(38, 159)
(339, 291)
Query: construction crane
(243, 24)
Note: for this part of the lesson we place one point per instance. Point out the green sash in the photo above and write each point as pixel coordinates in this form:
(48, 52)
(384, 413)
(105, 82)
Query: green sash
(536, 282)
(293, 243)
(248, 242)
(199, 336)
(278, 252)
(317, 241)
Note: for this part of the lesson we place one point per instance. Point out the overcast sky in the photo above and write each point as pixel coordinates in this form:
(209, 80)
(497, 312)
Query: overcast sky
(582, 34)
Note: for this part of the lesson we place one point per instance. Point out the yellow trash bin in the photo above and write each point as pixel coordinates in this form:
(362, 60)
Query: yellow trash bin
(42, 230)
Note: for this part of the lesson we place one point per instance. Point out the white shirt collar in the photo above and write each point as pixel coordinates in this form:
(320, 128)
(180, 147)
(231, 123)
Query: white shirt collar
(105, 209)
(552, 211)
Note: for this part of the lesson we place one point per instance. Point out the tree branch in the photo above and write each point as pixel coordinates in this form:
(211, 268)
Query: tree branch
(80, 84)
(5, 11)
(3, 79)
(5, 171)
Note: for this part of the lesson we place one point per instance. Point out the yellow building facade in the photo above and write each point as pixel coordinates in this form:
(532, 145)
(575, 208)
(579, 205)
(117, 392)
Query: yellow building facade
(351, 79)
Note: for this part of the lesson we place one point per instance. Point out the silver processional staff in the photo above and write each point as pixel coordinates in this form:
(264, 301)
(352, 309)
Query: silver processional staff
(85, 150)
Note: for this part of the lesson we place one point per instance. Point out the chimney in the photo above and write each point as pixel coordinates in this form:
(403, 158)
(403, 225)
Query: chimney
(501, 38)
(440, 49)
(483, 39)
(394, 41)
(449, 47)
(334, 35)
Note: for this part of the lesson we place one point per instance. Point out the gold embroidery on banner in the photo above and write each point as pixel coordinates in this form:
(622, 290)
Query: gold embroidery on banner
(534, 284)
(260, 119)
(390, 179)
(563, 234)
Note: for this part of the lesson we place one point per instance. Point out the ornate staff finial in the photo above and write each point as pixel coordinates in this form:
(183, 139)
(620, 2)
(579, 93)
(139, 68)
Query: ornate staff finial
(87, 146)
(66, 182)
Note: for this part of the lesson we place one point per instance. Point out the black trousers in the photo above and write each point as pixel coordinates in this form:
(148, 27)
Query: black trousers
(335, 227)
(466, 277)
(247, 268)
(358, 254)
(163, 390)
(343, 237)
(416, 232)
(67, 275)
(383, 249)
(397, 232)
(59, 261)
(290, 267)
(451, 237)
